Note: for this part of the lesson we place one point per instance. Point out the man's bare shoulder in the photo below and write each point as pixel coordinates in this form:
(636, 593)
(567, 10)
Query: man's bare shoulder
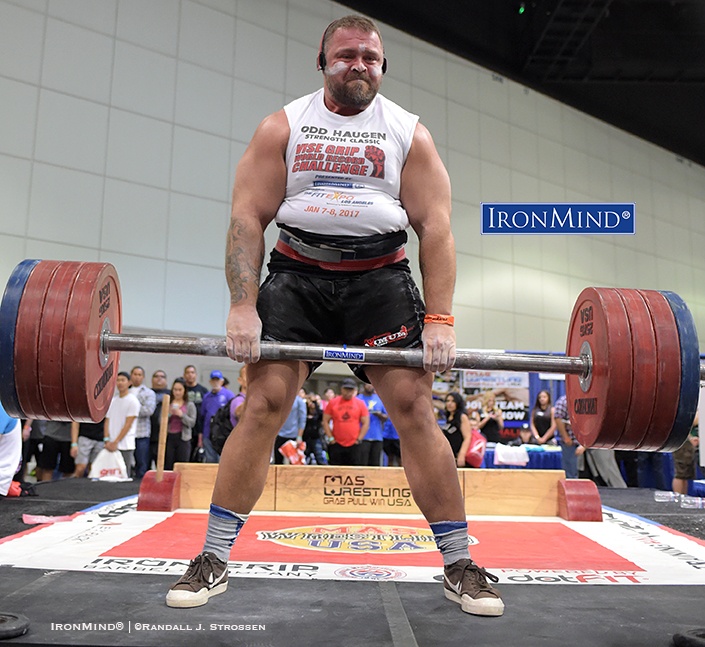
(422, 140)
(273, 129)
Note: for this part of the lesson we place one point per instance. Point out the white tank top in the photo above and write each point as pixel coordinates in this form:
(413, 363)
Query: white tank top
(343, 173)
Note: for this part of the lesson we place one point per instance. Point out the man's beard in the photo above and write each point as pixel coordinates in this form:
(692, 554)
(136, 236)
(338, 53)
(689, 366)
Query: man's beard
(357, 94)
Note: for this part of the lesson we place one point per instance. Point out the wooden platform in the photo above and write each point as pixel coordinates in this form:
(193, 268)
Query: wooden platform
(381, 490)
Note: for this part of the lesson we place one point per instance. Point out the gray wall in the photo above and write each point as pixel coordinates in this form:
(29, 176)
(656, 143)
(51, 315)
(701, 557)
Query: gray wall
(122, 121)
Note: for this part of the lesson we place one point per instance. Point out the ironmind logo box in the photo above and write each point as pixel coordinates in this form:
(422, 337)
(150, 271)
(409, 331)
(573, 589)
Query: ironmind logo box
(558, 218)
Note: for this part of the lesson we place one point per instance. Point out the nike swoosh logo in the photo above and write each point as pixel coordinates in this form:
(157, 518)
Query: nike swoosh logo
(455, 587)
(213, 582)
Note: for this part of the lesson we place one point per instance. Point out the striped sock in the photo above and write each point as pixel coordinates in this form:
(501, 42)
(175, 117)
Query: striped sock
(452, 540)
(223, 528)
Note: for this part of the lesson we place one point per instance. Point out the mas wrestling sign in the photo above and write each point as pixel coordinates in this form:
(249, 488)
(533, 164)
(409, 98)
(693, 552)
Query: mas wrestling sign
(344, 489)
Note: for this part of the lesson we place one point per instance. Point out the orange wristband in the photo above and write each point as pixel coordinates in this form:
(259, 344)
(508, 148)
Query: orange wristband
(448, 320)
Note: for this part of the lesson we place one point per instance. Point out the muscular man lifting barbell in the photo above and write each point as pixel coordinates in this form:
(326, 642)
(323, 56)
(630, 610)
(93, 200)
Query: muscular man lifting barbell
(339, 274)
(632, 364)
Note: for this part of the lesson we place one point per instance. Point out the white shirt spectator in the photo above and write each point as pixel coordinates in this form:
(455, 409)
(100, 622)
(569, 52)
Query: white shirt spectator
(121, 409)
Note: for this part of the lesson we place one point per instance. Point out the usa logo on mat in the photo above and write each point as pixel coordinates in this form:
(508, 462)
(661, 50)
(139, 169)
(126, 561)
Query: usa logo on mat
(353, 538)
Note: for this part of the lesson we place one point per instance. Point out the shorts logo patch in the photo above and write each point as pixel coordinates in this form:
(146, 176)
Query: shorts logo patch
(387, 337)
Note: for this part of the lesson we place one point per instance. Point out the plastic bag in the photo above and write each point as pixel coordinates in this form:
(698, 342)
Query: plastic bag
(294, 453)
(109, 466)
(476, 451)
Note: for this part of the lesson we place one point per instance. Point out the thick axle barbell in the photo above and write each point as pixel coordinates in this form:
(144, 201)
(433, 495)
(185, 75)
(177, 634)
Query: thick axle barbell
(632, 363)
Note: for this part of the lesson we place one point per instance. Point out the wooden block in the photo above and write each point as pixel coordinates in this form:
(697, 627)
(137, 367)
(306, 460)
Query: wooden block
(512, 492)
(324, 488)
(579, 500)
(163, 496)
(198, 480)
(384, 490)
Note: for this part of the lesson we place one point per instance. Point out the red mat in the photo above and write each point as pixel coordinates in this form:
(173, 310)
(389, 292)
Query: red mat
(386, 542)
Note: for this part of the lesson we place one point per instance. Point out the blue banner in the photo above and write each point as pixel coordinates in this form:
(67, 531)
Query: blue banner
(558, 218)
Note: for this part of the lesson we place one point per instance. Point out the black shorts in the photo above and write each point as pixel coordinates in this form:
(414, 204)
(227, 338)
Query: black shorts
(54, 451)
(391, 447)
(377, 308)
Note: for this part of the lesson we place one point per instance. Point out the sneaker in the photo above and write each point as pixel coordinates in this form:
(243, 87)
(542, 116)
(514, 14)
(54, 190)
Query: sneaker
(205, 577)
(466, 583)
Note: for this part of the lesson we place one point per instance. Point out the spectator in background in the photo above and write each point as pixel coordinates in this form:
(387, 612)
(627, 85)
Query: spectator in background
(345, 422)
(56, 447)
(312, 432)
(390, 444)
(121, 421)
(32, 438)
(570, 448)
(159, 387)
(292, 429)
(491, 419)
(650, 472)
(371, 447)
(86, 443)
(237, 404)
(143, 430)
(684, 460)
(526, 437)
(182, 418)
(217, 397)
(602, 468)
(10, 453)
(474, 417)
(628, 463)
(601, 465)
(457, 427)
(328, 395)
(196, 393)
(543, 421)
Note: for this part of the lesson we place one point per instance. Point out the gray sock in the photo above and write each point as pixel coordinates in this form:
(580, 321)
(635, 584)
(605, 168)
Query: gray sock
(223, 528)
(452, 540)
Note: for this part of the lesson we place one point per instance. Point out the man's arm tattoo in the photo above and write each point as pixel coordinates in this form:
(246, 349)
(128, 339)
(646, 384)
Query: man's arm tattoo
(241, 272)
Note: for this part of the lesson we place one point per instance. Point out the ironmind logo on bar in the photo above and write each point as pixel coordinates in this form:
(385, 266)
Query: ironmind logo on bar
(558, 218)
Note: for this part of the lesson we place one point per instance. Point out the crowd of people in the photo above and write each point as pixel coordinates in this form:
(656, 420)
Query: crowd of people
(132, 424)
(351, 427)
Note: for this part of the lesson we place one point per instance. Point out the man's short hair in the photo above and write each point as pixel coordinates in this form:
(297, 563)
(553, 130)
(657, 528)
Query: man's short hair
(124, 374)
(349, 22)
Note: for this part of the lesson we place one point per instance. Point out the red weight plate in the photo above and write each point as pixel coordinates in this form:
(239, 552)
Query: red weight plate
(27, 328)
(89, 376)
(644, 365)
(598, 411)
(51, 340)
(668, 372)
